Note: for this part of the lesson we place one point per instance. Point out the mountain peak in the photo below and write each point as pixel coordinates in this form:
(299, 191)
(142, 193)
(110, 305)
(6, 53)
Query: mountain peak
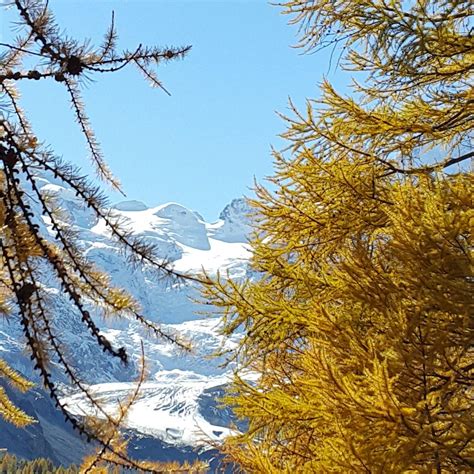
(175, 211)
(234, 222)
(237, 209)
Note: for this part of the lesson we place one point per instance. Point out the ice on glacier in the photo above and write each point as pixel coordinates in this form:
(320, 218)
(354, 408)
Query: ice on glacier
(176, 381)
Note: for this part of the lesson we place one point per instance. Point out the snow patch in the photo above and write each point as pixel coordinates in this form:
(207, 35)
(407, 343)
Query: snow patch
(167, 408)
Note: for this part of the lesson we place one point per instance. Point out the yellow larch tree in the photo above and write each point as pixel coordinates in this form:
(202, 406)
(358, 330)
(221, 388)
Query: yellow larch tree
(358, 319)
(42, 51)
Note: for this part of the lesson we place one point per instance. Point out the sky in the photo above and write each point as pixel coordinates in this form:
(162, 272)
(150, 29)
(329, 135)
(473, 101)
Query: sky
(206, 143)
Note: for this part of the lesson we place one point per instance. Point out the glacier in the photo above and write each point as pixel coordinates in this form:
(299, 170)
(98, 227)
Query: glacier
(175, 403)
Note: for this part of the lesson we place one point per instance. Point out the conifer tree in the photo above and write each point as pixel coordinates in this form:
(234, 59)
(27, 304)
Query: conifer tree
(10, 464)
(26, 251)
(359, 322)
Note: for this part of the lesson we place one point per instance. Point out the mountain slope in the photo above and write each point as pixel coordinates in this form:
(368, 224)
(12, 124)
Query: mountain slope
(169, 407)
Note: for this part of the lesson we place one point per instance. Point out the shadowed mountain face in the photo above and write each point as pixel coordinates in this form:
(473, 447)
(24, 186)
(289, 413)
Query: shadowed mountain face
(176, 413)
(50, 437)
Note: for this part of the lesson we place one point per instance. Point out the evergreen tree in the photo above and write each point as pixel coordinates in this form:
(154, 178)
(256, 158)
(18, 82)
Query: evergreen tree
(360, 320)
(25, 251)
(10, 464)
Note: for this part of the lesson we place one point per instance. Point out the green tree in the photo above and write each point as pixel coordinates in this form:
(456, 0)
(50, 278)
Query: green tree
(359, 322)
(25, 252)
(10, 464)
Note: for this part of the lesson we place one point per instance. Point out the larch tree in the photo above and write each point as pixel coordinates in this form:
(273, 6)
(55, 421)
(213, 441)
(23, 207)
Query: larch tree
(358, 320)
(43, 52)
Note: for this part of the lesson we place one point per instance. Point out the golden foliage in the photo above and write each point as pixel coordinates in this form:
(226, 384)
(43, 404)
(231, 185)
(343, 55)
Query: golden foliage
(359, 321)
(8, 410)
(28, 250)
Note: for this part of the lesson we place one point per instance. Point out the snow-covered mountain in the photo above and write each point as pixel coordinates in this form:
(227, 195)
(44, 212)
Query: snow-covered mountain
(174, 405)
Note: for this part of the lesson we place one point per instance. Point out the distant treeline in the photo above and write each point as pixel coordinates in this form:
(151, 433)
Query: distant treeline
(10, 464)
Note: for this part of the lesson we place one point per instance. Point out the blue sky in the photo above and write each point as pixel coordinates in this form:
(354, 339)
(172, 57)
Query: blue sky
(204, 145)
